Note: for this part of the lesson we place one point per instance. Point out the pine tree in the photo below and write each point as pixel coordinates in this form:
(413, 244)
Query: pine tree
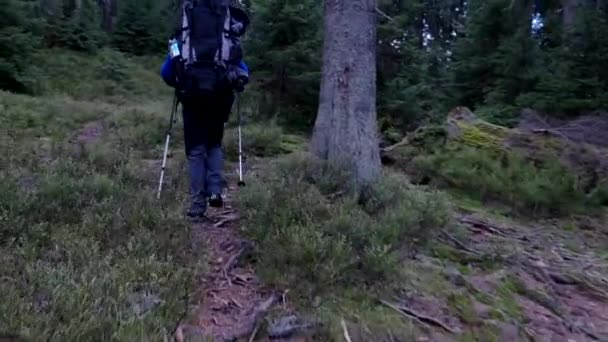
(16, 45)
(72, 24)
(409, 76)
(143, 26)
(284, 52)
(495, 61)
(573, 78)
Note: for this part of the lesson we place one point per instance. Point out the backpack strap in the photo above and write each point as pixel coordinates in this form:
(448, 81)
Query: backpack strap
(186, 26)
(223, 31)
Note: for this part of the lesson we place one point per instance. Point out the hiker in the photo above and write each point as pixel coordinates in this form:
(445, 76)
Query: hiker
(206, 85)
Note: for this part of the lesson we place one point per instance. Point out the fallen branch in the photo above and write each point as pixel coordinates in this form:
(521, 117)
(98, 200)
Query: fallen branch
(255, 332)
(255, 320)
(420, 318)
(458, 243)
(490, 228)
(225, 220)
(230, 264)
(384, 14)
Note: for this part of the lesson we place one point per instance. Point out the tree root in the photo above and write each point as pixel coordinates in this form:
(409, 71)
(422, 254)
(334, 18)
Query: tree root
(458, 243)
(552, 301)
(231, 263)
(418, 317)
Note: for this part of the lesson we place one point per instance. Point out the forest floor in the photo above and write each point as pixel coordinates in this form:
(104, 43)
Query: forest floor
(231, 300)
(486, 277)
(95, 256)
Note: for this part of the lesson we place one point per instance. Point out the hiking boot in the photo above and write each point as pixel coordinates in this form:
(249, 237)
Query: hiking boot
(196, 211)
(216, 201)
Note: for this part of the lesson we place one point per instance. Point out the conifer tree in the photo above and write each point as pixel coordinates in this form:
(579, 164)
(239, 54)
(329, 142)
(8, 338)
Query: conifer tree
(16, 44)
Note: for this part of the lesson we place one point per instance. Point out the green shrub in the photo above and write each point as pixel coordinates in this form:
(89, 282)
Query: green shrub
(106, 74)
(260, 140)
(317, 234)
(530, 188)
(93, 254)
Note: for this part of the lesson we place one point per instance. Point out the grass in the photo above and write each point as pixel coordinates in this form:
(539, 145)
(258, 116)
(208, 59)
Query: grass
(92, 253)
(109, 74)
(261, 140)
(546, 189)
(330, 241)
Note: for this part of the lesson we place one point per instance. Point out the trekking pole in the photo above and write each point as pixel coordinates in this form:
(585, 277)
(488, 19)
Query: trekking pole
(238, 110)
(168, 139)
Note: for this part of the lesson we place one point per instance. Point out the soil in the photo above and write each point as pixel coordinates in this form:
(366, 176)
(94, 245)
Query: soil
(231, 299)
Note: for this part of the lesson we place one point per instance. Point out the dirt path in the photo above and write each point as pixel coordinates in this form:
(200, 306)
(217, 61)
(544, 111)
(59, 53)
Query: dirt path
(231, 301)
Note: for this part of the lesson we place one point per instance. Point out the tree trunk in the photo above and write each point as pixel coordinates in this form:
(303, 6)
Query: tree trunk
(346, 130)
(109, 10)
(569, 9)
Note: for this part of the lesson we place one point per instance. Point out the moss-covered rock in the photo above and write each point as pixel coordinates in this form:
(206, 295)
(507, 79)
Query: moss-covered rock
(526, 168)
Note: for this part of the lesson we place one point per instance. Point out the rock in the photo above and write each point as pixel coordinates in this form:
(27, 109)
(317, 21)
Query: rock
(482, 310)
(454, 276)
(288, 326)
(566, 144)
(456, 117)
(190, 333)
(508, 332)
(142, 303)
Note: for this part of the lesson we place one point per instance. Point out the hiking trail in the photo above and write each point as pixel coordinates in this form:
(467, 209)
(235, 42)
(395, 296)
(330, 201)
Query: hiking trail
(231, 302)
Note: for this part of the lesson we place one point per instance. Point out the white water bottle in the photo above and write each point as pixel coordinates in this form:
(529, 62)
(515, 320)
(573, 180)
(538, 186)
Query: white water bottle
(174, 48)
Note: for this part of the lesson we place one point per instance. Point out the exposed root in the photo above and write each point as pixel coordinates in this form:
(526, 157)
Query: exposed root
(458, 243)
(225, 221)
(418, 317)
(552, 300)
(483, 225)
(231, 263)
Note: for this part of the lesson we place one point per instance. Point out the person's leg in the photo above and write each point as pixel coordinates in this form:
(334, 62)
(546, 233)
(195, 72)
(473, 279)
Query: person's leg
(215, 165)
(215, 156)
(196, 153)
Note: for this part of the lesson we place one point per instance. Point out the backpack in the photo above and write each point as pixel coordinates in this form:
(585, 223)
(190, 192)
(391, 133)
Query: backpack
(211, 50)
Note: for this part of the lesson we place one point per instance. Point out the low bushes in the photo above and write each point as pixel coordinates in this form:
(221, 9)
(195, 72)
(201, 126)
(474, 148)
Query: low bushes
(317, 234)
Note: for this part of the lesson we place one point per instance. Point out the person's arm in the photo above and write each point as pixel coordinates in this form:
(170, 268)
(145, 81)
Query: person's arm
(167, 72)
(243, 66)
(243, 76)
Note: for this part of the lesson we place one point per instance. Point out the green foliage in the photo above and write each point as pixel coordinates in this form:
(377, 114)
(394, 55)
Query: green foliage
(573, 78)
(530, 188)
(106, 74)
(284, 52)
(72, 24)
(409, 77)
(260, 140)
(93, 254)
(143, 27)
(317, 234)
(16, 45)
(494, 62)
(499, 64)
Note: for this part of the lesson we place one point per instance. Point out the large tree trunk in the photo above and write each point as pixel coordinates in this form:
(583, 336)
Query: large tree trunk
(346, 131)
(109, 10)
(569, 9)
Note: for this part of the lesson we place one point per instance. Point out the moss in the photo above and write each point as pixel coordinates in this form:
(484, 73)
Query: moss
(486, 136)
(463, 305)
(507, 298)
